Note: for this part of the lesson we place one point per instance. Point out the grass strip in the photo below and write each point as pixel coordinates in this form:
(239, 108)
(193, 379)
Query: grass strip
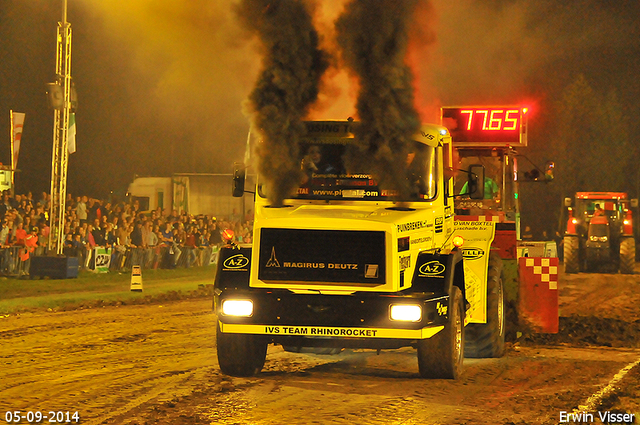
(107, 288)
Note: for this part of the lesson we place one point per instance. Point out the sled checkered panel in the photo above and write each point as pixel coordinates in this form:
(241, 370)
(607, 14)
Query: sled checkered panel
(546, 268)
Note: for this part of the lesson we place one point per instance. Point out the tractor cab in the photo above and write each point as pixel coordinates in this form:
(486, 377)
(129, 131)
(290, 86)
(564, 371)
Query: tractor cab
(599, 232)
(497, 194)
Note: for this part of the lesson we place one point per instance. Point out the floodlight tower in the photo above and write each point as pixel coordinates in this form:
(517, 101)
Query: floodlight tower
(60, 156)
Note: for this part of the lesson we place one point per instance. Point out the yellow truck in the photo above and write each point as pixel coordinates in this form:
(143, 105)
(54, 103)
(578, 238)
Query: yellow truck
(343, 265)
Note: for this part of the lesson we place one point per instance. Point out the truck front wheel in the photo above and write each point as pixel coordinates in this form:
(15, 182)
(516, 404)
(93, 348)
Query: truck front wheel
(240, 354)
(441, 356)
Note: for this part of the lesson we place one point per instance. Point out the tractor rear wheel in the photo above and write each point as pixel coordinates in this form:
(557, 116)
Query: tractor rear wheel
(571, 254)
(627, 255)
(441, 355)
(485, 340)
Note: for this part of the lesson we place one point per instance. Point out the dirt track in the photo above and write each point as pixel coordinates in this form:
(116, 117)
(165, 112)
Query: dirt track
(157, 364)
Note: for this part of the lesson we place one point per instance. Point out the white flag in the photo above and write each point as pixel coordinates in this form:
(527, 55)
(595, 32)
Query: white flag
(17, 121)
(72, 133)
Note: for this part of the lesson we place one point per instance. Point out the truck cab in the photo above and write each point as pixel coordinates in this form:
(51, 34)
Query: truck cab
(343, 263)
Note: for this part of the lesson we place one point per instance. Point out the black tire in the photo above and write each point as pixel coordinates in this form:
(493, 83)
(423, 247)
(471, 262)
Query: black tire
(240, 354)
(441, 356)
(485, 340)
(627, 255)
(571, 254)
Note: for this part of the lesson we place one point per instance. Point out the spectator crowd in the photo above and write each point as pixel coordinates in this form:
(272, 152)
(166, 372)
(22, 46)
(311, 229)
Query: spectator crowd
(152, 239)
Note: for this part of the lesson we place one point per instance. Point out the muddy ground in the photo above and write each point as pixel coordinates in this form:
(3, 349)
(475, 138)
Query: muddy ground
(156, 364)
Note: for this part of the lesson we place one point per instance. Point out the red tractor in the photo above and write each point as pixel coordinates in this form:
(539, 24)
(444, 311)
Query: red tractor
(599, 233)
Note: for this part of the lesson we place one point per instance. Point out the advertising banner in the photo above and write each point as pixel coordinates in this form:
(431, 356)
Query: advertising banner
(102, 258)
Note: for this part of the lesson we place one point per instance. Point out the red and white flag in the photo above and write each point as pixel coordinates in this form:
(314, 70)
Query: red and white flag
(17, 121)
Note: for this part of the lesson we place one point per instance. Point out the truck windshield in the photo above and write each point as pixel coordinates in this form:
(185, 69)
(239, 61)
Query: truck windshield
(605, 207)
(326, 176)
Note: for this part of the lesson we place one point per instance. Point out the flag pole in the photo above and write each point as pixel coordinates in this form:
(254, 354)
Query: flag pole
(12, 152)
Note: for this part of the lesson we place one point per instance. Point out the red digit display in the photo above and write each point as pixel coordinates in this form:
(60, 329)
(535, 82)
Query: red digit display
(486, 125)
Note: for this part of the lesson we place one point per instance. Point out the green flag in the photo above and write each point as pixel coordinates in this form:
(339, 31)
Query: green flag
(72, 133)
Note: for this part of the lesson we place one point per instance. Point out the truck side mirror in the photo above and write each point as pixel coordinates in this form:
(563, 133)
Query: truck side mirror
(238, 180)
(634, 203)
(567, 202)
(475, 183)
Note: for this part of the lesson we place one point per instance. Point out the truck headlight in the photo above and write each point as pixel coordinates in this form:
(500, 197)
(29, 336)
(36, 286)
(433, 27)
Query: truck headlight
(242, 308)
(405, 312)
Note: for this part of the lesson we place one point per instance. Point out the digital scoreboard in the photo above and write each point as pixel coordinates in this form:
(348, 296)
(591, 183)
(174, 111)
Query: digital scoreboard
(485, 126)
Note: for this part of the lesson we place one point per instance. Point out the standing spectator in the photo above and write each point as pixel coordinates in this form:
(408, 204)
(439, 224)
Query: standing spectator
(43, 200)
(136, 235)
(110, 238)
(168, 239)
(559, 245)
(5, 232)
(29, 199)
(81, 209)
(91, 210)
(152, 236)
(45, 230)
(20, 235)
(5, 206)
(98, 233)
(166, 236)
(31, 242)
(190, 245)
(216, 238)
(123, 234)
(90, 239)
(135, 208)
(146, 232)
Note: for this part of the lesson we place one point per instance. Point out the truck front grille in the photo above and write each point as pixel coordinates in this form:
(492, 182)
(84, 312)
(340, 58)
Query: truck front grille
(326, 256)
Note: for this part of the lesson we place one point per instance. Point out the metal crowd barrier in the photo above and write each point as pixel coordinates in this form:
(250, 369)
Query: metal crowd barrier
(114, 259)
(11, 263)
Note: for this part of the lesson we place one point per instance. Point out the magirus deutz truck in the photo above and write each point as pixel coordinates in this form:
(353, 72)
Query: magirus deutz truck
(343, 265)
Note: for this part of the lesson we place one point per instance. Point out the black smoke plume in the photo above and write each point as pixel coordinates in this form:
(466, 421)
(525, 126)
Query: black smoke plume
(292, 66)
(373, 36)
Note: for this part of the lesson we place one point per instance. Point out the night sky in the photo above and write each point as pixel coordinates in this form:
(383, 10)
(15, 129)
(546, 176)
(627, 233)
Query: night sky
(161, 83)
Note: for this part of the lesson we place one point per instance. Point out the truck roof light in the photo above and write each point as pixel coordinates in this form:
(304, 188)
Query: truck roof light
(458, 241)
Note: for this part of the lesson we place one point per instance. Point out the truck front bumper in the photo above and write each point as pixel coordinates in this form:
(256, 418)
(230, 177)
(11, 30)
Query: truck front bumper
(311, 320)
